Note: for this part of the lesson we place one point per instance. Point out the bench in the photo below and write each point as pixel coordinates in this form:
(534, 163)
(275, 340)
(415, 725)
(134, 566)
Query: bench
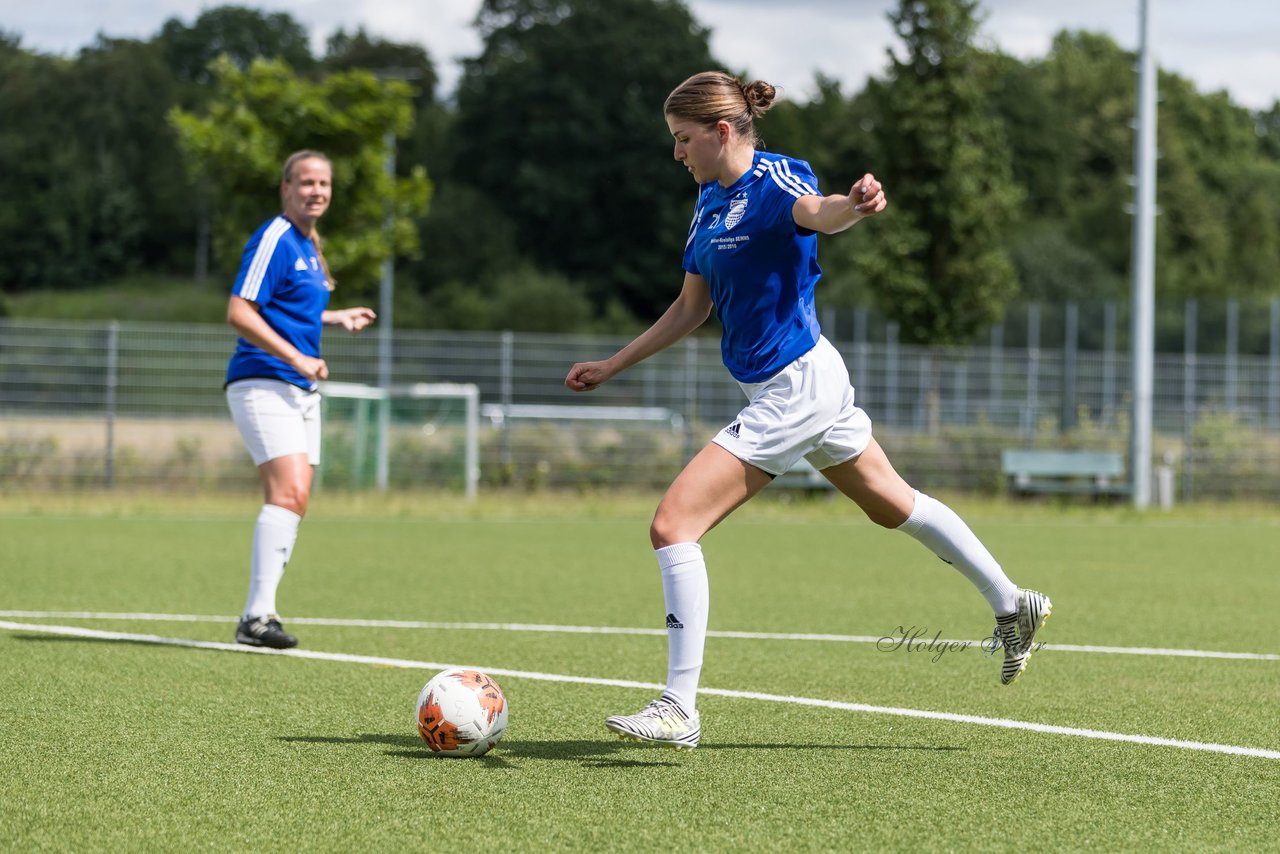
(1095, 473)
(499, 413)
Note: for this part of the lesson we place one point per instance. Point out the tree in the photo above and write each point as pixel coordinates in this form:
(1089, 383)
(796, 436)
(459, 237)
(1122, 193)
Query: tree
(941, 265)
(236, 32)
(89, 176)
(44, 186)
(259, 115)
(560, 122)
(1209, 149)
(399, 60)
(124, 92)
(1051, 245)
(1090, 82)
(1267, 125)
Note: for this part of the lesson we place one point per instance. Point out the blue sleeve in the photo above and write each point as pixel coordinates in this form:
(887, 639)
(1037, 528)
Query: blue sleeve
(790, 180)
(263, 266)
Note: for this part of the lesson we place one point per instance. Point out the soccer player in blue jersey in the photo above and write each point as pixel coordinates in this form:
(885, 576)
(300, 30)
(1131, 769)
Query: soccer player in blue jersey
(751, 255)
(278, 305)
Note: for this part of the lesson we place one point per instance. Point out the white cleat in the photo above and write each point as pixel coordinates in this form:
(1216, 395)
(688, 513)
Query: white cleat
(1016, 633)
(661, 722)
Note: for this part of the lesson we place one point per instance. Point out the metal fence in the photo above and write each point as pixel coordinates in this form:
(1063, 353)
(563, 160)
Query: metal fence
(126, 404)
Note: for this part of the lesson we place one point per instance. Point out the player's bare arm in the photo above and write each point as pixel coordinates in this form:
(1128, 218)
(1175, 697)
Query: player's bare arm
(835, 213)
(350, 319)
(689, 311)
(245, 317)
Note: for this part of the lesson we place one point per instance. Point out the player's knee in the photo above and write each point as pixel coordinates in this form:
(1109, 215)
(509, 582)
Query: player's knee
(292, 497)
(884, 519)
(663, 530)
(886, 516)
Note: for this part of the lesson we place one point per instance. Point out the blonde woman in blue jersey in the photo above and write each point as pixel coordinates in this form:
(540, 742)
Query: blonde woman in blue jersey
(751, 255)
(278, 305)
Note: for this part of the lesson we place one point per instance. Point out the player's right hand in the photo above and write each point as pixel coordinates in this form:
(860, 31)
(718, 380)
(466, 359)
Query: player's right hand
(311, 368)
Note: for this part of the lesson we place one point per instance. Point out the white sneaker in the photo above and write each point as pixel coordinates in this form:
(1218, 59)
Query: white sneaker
(661, 722)
(1016, 633)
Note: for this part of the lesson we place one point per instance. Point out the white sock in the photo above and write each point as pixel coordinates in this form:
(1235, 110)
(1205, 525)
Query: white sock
(684, 590)
(273, 539)
(945, 534)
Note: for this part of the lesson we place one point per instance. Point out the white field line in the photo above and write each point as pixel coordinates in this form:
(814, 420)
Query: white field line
(74, 631)
(915, 641)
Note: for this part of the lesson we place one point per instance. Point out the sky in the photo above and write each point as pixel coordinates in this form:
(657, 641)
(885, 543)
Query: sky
(1231, 45)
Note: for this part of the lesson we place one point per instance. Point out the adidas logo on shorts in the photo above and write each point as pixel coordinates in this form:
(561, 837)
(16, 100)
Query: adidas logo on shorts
(733, 429)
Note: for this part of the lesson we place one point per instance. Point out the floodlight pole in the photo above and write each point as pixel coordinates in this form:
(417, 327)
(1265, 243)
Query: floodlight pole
(387, 291)
(386, 325)
(1143, 266)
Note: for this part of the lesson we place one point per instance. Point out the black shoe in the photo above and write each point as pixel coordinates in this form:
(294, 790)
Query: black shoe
(264, 631)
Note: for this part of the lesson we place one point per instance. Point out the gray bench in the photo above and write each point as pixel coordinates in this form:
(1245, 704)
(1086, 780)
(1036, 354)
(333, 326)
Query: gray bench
(499, 413)
(1095, 473)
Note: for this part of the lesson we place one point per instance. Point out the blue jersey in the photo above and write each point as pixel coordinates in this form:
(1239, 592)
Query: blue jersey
(282, 274)
(761, 266)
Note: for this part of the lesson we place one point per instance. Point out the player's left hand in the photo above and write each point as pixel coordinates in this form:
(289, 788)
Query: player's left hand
(354, 319)
(867, 196)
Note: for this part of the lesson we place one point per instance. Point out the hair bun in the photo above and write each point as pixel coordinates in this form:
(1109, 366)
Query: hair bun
(759, 95)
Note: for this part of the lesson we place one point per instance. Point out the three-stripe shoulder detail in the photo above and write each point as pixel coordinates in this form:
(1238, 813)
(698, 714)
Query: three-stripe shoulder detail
(262, 258)
(780, 171)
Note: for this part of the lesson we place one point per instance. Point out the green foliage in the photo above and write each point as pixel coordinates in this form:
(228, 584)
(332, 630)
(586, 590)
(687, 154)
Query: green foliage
(1090, 83)
(239, 34)
(261, 114)
(560, 123)
(395, 60)
(1052, 269)
(1210, 149)
(22, 458)
(1228, 458)
(521, 299)
(1267, 125)
(1252, 199)
(466, 237)
(90, 176)
(947, 165)
(139, 297)
(1002, 174)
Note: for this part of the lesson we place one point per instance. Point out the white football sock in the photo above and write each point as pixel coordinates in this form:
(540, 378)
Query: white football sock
(684, 590)
(945, 534)
(273, 539)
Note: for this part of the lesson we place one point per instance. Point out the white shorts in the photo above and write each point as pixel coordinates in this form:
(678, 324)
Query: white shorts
(276, 419)
(805, 410)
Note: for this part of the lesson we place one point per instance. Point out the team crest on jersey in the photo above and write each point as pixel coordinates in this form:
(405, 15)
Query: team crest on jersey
(737, 208)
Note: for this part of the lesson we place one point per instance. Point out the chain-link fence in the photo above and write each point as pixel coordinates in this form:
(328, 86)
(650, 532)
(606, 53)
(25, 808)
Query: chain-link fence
(124, 404)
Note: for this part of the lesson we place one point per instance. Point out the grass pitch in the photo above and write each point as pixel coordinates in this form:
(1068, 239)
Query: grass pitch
(117, 744)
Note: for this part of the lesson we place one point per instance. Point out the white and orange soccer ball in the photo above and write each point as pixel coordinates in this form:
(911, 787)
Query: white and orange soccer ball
(461, 713)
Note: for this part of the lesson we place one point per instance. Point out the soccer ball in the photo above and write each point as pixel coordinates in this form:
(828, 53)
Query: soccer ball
(461, 713)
